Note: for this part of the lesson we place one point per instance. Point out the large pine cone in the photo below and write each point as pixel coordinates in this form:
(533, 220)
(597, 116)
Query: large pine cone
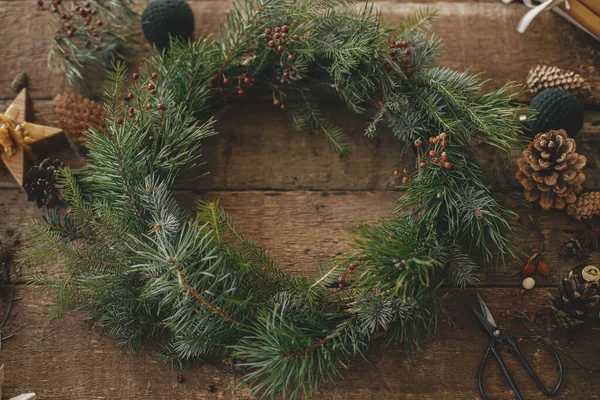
(576, 296)
(551, 171)
(41, 184)
(75, 114)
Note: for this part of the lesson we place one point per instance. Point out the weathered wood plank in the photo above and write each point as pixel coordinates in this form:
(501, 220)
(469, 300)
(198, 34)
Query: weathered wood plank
(480, 35)
(264, 152)
(301, 229)
(69, 360)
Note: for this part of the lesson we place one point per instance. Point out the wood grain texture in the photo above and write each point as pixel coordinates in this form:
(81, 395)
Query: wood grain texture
(70, 360)
(477, 35)
(301, 229)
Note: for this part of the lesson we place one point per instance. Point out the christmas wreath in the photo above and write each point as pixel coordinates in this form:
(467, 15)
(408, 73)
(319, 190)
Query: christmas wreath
(142, 267)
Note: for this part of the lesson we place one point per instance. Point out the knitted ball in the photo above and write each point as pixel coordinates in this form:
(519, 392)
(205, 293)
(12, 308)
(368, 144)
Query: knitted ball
(167, 17)
(557, 109)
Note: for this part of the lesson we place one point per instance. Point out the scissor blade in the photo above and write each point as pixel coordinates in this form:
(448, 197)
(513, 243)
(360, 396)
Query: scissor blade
(486, 311)
(486, 324)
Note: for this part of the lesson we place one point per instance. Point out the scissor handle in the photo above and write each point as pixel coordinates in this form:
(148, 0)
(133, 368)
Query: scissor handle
(492, 349)
(513, 340)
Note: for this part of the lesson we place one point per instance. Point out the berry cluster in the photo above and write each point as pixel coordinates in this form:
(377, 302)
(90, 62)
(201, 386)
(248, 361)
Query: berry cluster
(82, 24)
(141, 98)
(535, 263)
(400, 54)
(436, 151)
(280, 39)
(219, 82)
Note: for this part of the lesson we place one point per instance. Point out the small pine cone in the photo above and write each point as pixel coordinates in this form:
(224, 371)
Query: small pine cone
(75, 114)
(42, 185)
(544, 76)
(551, 171)
(577, 296)
(587, 206)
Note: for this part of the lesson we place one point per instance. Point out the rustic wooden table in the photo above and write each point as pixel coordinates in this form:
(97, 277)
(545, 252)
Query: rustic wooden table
(292, 195)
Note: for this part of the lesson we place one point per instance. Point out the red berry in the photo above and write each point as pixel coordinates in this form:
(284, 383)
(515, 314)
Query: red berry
(296, 37)
(77, 9)
(277, 35)
(418, 143)
(521, 340)
(210, 388)
(282, 107)
(409, 71)
(151, 86)
(341, 285)
(284, 35)
(271, 43)
(405, 180)
(291, 57)
(153, 91)
(70, 33)
(286, 74)
(277, 29)
(293, 73)
(161, 106)
(98, 48)
(282, 81)
(422, 164)
(275, 101)
(405, 60)
(135, 76)
(240, 92)
(148, 106)
(342, 279)
(130, 95)
(267, 32)
(225, 81)
(504, 315)
(221, 90)
(150, 138)
(393, 46)
(432, 153)
(572, 343)
(542, 268)
(285, 29)
(246, 80)
(280, 49)
(528, 269)
(154, 75)
(179, 379)
(447, 165)
(131, 110)
(120, 121)
(99, 23)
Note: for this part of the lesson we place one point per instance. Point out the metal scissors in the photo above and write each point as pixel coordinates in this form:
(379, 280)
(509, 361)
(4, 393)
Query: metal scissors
(497, 337)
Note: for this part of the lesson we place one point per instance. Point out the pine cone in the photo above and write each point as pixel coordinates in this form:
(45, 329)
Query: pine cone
(578, 294)
(75, 114)
(544, 76)
(551, 171)
(41, 184)
(586, 206)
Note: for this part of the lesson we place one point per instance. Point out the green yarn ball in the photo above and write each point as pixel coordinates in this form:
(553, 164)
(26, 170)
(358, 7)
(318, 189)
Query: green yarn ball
(167, 17)
(557, 109)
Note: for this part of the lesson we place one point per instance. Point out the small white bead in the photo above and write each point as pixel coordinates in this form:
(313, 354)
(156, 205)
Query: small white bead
(528, 283)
